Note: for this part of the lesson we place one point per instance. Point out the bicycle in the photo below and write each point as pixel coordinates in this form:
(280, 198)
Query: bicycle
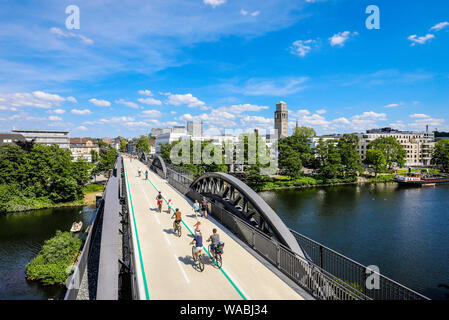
(178, 229)
(216, 255)
(200, 264)
(159, 205)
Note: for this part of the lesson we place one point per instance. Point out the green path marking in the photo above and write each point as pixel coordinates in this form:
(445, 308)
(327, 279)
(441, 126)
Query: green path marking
(147, 296)
(224, 273)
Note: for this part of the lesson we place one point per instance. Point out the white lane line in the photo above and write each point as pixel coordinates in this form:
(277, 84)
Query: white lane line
(236, 283)
(148, 201)
(166, 238)
(182, 269)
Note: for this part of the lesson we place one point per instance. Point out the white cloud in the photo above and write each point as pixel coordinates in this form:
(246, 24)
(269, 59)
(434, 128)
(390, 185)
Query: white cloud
(100, 103)
(54, 118)
(440, 26)
(113, 120)
(57, 111)
(255, 13)
(302, 47)
(3, 108)
(239, 108)
(72, 99)
(63, 34)
(150, 101)
(298, 113)
(243, 12)
(146, 93)
(214, 3)
(321, 111)
(81, 128)
(81, 112)
(184, 99)
(128, 103)
(268, 87)
(371, 115)
(419, 115)
(38, 99)
(340, 38)
(152, 113)
(421, 40)
(393, 105)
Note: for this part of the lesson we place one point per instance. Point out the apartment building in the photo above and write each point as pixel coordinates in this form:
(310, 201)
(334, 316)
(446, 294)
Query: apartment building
(82, 148)
(418, 145)
(47, 137)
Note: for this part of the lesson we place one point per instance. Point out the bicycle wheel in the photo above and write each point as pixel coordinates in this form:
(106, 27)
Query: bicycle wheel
(201, 262)
(218, 260)
(178, 231)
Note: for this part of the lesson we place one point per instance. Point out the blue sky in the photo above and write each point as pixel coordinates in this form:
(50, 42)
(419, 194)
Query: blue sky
(135, 65)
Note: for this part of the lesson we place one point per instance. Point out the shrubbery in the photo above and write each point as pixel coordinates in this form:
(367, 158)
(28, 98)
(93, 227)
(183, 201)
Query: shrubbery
(50, 265)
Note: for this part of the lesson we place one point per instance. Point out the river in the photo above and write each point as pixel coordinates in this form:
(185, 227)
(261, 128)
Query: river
(21, 237)
(404, 231)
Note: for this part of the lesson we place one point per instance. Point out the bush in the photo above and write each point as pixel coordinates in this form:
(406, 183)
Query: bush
(93, 188)
(50, 265)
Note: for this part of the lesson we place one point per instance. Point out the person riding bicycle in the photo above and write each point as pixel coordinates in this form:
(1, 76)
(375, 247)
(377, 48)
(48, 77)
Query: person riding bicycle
(197, 226)
(140, 171)
(198, 240)
(215, 239)
(146, 174)
(204, 207)
(170, 205)
(177, 217)
(159, 199)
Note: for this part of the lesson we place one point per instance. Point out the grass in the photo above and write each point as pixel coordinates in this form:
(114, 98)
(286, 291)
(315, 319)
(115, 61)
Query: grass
(95, 187)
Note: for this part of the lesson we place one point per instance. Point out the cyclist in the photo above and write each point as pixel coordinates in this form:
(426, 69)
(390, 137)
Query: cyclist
(215, 239)
(170, 205)
(140, 171)
(197, 226)
(177, 217)
(146, 174)
(198, 240)
(159, 199)
(196, 208)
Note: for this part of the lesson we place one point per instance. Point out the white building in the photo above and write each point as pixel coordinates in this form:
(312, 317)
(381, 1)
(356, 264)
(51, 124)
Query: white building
(195, 128)
(47, 137)
(418, 145)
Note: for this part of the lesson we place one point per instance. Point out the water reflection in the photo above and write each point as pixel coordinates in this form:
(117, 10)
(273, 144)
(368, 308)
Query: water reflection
(401, 230)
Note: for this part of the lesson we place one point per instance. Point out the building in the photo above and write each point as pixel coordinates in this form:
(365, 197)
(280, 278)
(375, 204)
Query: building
(169, 137)
(47, 137)
(195, 128)
(82, 148)
(314, 141)
(418, 145)
(10, 138)
(281, 119)
(179, 129)
(157, 131)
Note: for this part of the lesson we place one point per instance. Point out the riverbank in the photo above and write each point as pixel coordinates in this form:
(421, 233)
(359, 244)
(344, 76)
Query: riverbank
(309, 182)
(21, 204)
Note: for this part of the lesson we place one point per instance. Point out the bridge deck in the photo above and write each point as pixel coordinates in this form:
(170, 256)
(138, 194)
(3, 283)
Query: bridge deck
(166, 262)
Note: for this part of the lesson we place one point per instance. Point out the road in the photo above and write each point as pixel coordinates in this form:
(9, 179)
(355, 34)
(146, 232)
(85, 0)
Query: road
(166, 260)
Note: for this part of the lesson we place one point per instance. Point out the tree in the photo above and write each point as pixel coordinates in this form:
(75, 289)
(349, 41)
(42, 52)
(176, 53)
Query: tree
(440, 155)
(329, 159)
(376, 159)
(143, 144)
(123, 145)
(392, 150)
(350, 157)
(94, 156)
(296, 145)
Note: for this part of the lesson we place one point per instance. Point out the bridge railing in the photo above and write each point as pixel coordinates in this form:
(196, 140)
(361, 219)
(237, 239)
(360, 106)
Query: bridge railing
(354, 273)
(330, 275)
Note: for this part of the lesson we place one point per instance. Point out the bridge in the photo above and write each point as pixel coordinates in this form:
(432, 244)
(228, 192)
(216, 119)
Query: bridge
(131, 251)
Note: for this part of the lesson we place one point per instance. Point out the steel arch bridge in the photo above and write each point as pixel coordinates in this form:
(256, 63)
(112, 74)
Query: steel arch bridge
(237, 197)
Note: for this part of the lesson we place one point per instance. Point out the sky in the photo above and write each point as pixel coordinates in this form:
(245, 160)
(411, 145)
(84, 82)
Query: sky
(136, 65)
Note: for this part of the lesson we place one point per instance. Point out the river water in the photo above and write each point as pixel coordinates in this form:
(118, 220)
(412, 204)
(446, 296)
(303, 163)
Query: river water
(21, 237)
(404, 231)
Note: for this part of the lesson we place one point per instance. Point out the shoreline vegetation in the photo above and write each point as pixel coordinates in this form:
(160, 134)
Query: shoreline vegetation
(36, 176)
(52, 265)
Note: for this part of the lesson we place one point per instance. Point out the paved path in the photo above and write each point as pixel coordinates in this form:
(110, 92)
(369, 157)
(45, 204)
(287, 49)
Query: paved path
(166, 260)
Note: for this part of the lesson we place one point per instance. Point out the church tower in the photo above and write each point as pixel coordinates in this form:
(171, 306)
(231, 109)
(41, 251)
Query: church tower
(281, 119)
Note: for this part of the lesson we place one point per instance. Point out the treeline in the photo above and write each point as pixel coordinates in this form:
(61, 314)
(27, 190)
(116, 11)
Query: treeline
(34, 176)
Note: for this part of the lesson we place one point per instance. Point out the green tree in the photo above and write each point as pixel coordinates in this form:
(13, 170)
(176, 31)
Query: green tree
(143, 144)
(350, 157)
(296, 146)
(329, 159)
(376, 159)
(123, 145)
(392, 150)
(440, 155)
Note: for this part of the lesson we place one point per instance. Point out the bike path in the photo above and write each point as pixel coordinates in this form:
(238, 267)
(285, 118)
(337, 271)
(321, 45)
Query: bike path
(167, 260)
